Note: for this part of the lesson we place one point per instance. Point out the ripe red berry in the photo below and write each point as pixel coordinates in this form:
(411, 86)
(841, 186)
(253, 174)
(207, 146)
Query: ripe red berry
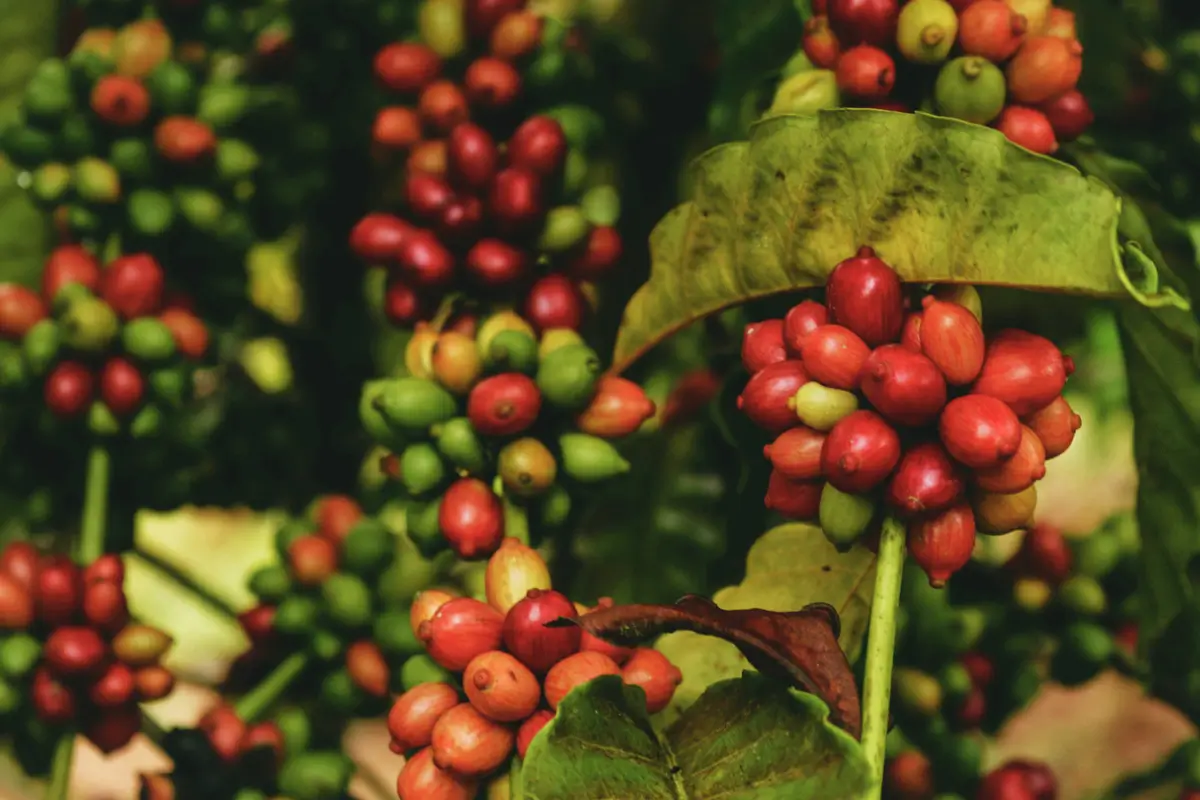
(905, 387)
(412, 717)
(599, 254)
(1024, 370)
(762, 344)
(482, 16)
(53, 702)
(120, 101)
(428, 156)
(538, 145)
(122, 386)
(793, 499)
(377, 237)
(865, 295)
(820, 43)
(406, 67)
(68, 389)
(312, 559)
(396, 128)
(991, 29)
(909, 776)
(427, 195)
(69, 263)
(494, 263)
(104, 606)
(491, 83)
(1069, 115)
(1028, 128)
(575, 671)
(555, 301)
(442, 106)
(462, 629)
(1044, 68)
(421, 779)
(618, 408)
(866, 73)
(114, 687)
(765, 398)
(20, 310)
(530, 728)
(979, 431)
(1044, 554)
(471, 518)
(1026, 467)
(801, 320)
(527, 637)
(108, 568)
(796, 453)
(189, 331)
(461, 220)
(402, 305)
(472, 155)
(73, 652)
(184, 140)
(16, 604)
(1055, 426)
(504, 405)
(834, 356)
(952, 338)
(926, 480)
(133, 285)
(336, 515)
(594, 644)
(860, 452)
(516, 36)
(655, 674)
(367, 668)
(424, 261)
(942, 545)
(515, 199)
(500, 687)
(864, 21)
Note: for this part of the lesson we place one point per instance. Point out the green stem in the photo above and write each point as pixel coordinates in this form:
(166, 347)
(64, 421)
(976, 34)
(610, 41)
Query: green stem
(255, 702)
(95, 505)
(881, 644)
(60, 769)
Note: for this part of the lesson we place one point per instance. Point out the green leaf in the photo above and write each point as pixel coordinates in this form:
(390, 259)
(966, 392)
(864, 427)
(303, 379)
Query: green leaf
(745, 738)
(27, 37)
(939, 199)
(755, 40)
(787, 568)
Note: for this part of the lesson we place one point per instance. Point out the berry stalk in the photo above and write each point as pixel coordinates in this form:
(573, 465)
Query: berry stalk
(255, 702)
(59, 786)
(881, 642)
(95, 505)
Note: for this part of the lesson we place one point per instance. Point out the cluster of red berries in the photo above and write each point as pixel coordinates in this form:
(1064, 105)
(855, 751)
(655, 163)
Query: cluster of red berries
(909, 776)
(496, 401)
(103, 341)
(1013, 64)
(513, 669)
(69, 649)
(979, 417)
(484, 205)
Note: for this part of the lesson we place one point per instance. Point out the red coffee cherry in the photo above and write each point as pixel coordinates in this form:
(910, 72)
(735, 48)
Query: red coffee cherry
(68, 389)
(406, 67)
(122, 386)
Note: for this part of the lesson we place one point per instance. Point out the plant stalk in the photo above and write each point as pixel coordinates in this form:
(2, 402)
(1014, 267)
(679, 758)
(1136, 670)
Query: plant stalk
(59, 786)
(881, 645)
(255, 702)
(95, 505)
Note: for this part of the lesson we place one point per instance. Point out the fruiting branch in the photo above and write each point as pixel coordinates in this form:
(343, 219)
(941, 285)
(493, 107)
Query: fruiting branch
(60, 770)
(95, 505)
(255, 702)
(877, 680)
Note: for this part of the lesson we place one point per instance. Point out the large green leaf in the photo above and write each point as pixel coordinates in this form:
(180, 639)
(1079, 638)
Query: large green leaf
(787, 568)
(26, 37)
(939, 199)
(748, 738)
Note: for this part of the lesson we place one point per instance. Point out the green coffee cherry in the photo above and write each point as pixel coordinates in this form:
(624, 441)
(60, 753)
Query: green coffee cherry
(236, 160)
(527, 467)
(19, 654)
(955, 681)
(171, 385)
(582, 125)
(347, 600)
(820, 407)
(222, 105)
(845, 517)
(512, 351)
(372, 418)
(554, 507)
(1084, 649)
(970, 88)
(367, 548)
(601, 206)
(50, 184)
(270, 584)
(590, 459)
(250, 794)
(315, 776)
(133, 159)
(83, 221)
(326, 645)
(806, 93)
(916, 692)
(413, 404)
(1095, 556)
(798, 63)
(1083, 596)
(10, 697)
(926, 31)
(48, 92)
(422, 469)
(96, 181)
(296, 728)
(102, 421)
(12, 366)
(172, 88)
(563, 229)
(148, 339)
(957, 760)
(89, 324)
(423, 669)
(339, 693)
(393, 632)
(200, 207)
(410, 573)
(567, 376)
(440, 25)
(296, 615)
(150, 212)
(423, 528)
(146, 423)
(26, 147)
(459, 444)
(40, 346)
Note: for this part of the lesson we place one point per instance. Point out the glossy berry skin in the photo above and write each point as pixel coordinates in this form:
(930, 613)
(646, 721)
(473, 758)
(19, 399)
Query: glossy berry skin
(1069, 114)
(1028, 128)
(865, 295)
(926, 480)
(121, 386)
(1044, 68)
(953, 339)
(991, 29)
(575, 671)
(133, 285)
(425, 261)
(412, 717)
(942, 544)
(796, 453)
(1055, 426)
(462, 629)
(68, 389)
(860, 452)
(762, 344)
(491, 83)
(538, 145)
(801, 320)
(905, 387)
(69, 263)
(20, 310)
(765, 398)
(504, 404)
(619, 408)
(396, 129)
(422, 779)
(870, 22)
(527, 637)
(555, 301)
(1024, 370)
(820, 43)
(793, 499)
(515, 199)
(601, 252)
(866, 72)
(655, 674)
(472, 156)
(979, 431)
(494, 263)
(471, 518)
(377, 237)
(834, 356)
(406, 67)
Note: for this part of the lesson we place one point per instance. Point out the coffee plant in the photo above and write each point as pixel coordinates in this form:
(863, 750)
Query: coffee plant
(639, 398)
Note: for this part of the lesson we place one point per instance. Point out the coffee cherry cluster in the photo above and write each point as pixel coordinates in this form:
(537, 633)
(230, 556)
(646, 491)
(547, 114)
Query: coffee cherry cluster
(513, 670)
(69, 652)
(104, 343)
(498, 414)
(494, 207)
(1011, 64)
(133, 134)
(329, 596)
(968, 659)
(226, 757)
(913, 413)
